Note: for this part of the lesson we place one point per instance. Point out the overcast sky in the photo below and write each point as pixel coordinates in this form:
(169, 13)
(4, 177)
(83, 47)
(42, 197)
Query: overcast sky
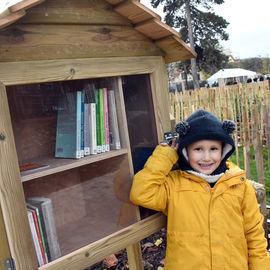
(249, 28)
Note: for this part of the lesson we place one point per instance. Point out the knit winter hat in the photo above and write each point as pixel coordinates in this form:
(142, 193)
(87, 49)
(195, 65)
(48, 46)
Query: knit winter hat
(203, 125)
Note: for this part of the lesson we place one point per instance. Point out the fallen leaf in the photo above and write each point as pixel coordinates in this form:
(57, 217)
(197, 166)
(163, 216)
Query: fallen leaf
(158, 242)
(111, 261)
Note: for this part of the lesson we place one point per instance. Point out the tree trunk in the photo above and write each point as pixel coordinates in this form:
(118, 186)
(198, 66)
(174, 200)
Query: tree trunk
(191, 40)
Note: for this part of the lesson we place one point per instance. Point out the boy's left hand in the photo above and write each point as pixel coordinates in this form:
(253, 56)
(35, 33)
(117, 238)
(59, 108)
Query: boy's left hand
(174, 145)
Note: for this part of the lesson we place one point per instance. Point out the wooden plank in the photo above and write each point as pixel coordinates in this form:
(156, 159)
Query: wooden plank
(9, 19)
(14, 73)
(155, 29)
(12, 195)
(99, 250)
(25, 4)
(175, 49)
(74, 12)
(44, 42)
(135, 11)
(4, 250)
(135, 257)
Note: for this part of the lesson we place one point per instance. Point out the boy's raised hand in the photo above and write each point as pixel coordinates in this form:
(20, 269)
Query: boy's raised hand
(174, 145)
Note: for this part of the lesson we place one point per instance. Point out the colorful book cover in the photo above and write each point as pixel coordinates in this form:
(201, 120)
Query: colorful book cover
(46, 207)
(35, 238)
(37, 207)
(113, 122)
(43, 246)
(31, 167)
(101, 119)
(98, 126)
(106, 119)
(68, 130)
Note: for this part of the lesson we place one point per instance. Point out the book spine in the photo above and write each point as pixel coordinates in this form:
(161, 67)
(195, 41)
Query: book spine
(35, 238)
(78, 123)
(38, 235)
(93, 129)
(82, 124)
(98, 129)
(113, 122)
(34, 208)
(102, 122)
(86, 129)
(106, 119)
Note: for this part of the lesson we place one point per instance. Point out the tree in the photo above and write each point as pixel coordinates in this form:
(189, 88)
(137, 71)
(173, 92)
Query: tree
(201, 28)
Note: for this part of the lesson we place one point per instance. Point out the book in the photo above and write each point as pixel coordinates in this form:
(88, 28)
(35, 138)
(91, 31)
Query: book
(82, 124)
(93, 129)
(98, 127)
(113, 122)
(31, 167)
(101, 119)
(38, 234)
(40, 229)
(87, 100)
(35, 238)
(46, 212)
(106, 119)
(68, 130)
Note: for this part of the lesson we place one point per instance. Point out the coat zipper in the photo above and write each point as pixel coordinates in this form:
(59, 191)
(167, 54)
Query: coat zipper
(209, 215)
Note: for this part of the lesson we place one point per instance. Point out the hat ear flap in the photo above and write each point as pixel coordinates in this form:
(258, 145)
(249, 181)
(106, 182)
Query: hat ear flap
(182, 128)
(229, 126)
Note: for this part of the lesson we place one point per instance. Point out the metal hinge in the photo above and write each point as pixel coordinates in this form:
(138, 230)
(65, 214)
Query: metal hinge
(10, 264)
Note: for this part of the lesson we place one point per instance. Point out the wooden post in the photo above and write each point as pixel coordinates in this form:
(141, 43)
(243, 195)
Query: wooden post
(135, 257)
(257, 144)
(246, 147)
(4, 250)
(267, 131)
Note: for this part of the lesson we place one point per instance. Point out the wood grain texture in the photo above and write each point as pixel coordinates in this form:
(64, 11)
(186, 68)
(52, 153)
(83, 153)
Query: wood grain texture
(45, 42)
(135, 11)
(11, 194)
(4, 250)
(14, 73)
(74, 12)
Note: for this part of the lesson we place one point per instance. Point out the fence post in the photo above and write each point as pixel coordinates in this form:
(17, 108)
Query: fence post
(257, 144)
(246, 147)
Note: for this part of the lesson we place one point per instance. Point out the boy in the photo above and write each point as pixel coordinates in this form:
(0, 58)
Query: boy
(213, 215)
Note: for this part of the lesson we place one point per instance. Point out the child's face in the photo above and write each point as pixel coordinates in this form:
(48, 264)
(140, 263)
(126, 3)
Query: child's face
(205, 155)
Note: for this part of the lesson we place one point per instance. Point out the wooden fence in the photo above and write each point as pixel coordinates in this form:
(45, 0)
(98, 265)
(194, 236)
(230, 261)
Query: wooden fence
(246, 104)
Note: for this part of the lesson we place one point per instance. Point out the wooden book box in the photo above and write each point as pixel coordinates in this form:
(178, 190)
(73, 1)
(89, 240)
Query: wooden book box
(47, 49)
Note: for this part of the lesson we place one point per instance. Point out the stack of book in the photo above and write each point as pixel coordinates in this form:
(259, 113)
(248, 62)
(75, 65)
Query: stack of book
(42, 226)
(87, 123)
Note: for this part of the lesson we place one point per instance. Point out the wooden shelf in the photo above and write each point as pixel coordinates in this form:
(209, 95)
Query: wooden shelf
(58, 165)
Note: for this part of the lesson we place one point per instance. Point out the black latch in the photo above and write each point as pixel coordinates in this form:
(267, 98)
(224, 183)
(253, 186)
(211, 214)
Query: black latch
(10, 264)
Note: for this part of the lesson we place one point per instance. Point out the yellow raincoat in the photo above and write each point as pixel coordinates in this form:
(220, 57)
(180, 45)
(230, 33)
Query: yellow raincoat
(208, 228)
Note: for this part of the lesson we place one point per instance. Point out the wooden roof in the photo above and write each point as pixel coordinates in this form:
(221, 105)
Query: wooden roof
(143, 19)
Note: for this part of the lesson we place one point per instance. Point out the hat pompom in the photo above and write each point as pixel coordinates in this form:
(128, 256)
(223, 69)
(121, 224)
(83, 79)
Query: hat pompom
(182, 128)
(229, 126)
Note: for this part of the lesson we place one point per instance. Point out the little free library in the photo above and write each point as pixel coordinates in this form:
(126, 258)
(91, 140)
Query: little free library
(83, 101)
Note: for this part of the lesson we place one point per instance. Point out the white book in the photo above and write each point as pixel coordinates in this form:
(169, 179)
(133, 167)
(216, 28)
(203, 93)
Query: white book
(113, 122)
(93, 129)
(35, 238)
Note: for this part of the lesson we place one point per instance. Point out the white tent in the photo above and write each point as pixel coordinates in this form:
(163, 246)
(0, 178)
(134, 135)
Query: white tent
(231, 73)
